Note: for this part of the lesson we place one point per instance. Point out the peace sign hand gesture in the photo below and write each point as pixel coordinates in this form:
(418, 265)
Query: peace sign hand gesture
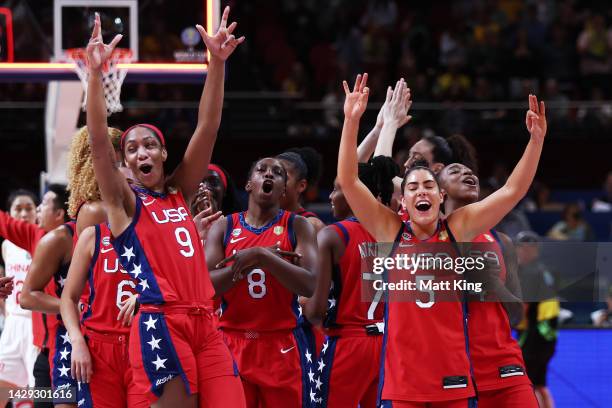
(535, 119)
(223, 43)
(357, 100)
(99, 53)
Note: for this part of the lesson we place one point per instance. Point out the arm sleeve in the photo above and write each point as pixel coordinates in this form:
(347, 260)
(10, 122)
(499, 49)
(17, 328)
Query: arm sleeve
(21, 233)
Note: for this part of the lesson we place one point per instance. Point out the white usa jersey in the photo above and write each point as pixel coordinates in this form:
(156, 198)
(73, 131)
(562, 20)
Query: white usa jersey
(16, 263)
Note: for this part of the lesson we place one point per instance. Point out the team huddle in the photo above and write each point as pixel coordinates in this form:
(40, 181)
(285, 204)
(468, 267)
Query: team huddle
(139, 288)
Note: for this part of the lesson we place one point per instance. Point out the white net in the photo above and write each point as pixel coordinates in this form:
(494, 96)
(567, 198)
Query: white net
(112, 76)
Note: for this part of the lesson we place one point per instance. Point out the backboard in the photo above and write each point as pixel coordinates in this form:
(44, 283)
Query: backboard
(161, 34)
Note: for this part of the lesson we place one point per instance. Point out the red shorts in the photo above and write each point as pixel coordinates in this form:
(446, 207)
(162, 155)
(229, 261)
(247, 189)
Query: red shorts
(351, 365)
(111, 384)
(273, 366)
(517, 396)
(460, 403)
(180, 342)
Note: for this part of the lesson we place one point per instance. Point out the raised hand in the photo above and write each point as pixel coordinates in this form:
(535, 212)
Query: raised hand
(204, 220)
(380, 119)
(99, 53)
(535, 119)
(397, 105)
(223, 43)
(357, 100)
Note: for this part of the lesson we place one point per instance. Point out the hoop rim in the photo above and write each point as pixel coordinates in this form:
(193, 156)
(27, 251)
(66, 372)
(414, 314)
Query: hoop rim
(80, 53)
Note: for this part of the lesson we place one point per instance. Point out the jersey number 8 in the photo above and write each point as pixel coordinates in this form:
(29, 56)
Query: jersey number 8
(257, 283)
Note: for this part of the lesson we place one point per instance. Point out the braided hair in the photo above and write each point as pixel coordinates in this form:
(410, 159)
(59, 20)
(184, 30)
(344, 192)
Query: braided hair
(377, 174)
(454, 149)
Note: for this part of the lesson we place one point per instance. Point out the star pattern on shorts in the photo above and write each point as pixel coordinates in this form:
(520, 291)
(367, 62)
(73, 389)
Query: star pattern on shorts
(160, 362)
(128, 253)
(325, 346)
(63, 370)
(64, 354)
(150, 323)
(321, 365)
(65, 338)
(332, 303)
(154, 343)
(61, 281)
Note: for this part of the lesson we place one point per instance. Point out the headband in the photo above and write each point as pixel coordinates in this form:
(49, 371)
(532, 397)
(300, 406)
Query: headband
(154, 129)
(221, 173)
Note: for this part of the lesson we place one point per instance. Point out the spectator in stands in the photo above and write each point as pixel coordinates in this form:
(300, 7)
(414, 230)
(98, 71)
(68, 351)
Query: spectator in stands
(595, 46)
(558, 103)
(598, 118)
(603, 317)
(604, 202)
(539, 199)
(572, 227)
(538, 330)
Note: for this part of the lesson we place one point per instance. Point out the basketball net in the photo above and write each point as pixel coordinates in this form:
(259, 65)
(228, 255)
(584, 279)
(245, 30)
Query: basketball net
(112, 76)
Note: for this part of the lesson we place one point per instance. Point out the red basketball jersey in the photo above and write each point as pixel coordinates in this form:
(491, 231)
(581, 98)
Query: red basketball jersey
(259, 302)
(425, 347)
(346, 307)
(110, 286)
(162, 251)
(496, 356)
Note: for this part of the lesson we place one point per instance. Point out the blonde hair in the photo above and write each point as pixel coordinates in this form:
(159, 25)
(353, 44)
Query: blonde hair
(82, 183)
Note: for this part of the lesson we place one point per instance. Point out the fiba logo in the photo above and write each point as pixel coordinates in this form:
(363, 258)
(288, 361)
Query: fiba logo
(106, 241)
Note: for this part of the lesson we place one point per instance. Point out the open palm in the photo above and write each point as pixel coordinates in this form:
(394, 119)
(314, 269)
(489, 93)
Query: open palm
(357, 100)
(223, 43)
(99, 53)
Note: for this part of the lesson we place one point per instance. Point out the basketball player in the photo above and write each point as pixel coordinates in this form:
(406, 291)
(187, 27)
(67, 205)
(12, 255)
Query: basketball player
(49, 267)
(216, 196)
(17, 351)
(303, 167)
(26, 235)
(418, 371)
(222, 193)
(99, 358)
(499, 369)
(104, 347)
(351, 353)
(158, 245)
(261, 319)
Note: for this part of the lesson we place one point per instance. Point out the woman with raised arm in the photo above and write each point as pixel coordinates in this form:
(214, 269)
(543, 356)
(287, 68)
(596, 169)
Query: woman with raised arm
(499, 368)
(431, 363)
(176, 352)
(350, 356)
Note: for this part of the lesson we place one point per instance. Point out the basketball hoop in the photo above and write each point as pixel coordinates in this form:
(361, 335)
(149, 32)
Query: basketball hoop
(112, 76)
